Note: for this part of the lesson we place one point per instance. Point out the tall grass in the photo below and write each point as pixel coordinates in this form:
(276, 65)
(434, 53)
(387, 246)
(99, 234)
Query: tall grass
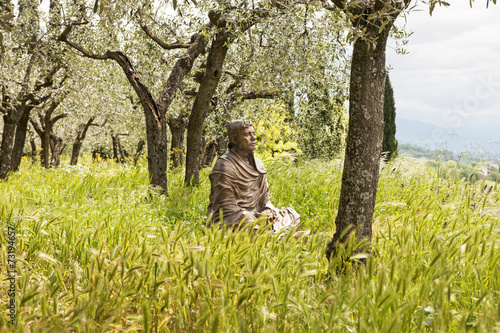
(97, 251)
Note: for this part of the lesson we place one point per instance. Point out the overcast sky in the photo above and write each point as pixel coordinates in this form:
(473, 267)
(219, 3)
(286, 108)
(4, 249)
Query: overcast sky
(451, 77)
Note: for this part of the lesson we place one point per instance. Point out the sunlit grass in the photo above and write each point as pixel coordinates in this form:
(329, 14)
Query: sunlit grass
(97, 251)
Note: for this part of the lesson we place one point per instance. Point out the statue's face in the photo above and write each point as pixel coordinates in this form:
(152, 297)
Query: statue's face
(245, 140)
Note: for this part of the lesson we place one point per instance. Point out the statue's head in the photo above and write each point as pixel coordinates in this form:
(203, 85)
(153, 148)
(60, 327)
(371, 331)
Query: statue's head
(241, 134)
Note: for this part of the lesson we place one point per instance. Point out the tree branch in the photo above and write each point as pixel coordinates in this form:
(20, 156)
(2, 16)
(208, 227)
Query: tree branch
(83, 133)
(28, 71)
(147, 101)
(190, 92)
(37, 127)
(58, 117)
(233, 74)
(37, 101)
(255, 95)
(47, 82)
(51, 110)
(160, 42)
(64, 38)
(103, 123)
(182, 66)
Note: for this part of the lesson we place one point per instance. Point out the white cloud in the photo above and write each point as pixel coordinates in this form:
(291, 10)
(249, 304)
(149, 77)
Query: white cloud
(453, 65)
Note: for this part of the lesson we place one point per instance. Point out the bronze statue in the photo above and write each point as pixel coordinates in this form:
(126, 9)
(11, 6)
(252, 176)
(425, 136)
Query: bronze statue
(240, 193)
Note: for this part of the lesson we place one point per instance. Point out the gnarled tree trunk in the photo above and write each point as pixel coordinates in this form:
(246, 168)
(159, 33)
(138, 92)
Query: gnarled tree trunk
(44, 130)
(177, 130)
(77, 145)
(114, 140)
(33, 150)
(215, 61)
(57, 149)
(9, 130)
(16, 114)
(20, 139)
(123, 155)
(209, 153)
(138, 151)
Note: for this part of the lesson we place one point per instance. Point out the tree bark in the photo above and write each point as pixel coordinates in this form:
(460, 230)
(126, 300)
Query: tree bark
(56, 151)
(77, 145)
(364, 141)
(114, 139)
(45, 152)
(33, 150)
(215, 61)
(210, 153)
(123, 156)
(63, 148)
(20, 139)
(140, 146)
(9, 130)
(178, 130)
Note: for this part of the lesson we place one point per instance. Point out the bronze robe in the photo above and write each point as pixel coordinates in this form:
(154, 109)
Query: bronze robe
(240, 193)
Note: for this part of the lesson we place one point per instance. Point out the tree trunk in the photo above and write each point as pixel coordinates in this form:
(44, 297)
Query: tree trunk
(210, 153)
(140, 146)
(177, 129)
(114, 139)
(156, 131)
(201, 105)
(123, 157)
(221, 145)
(45, 153)
(20, 139)
(77, 145)
(61, 152)
(56, 151)
(364, 142)
(47, 138)
(157, 153)
(33, 150)
(95, 155)
(9, 130)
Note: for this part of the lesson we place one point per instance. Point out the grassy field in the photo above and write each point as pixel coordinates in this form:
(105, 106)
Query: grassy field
(96, 251)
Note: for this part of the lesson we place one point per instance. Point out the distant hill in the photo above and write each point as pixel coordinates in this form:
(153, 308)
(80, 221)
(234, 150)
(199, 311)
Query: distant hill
(455, 139)
(420, 152)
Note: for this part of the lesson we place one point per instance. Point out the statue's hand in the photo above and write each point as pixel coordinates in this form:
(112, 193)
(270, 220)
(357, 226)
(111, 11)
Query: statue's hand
(249, 217)
(269, 214)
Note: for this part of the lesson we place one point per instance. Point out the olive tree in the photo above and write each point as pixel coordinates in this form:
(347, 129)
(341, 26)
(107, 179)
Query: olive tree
(371, 22)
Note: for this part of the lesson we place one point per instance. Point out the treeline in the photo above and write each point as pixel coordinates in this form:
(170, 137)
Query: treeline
(473, 171)
(421, 152)
(449, 164)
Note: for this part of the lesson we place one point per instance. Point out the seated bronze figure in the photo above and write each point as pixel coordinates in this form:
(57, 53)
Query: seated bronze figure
(240, 193)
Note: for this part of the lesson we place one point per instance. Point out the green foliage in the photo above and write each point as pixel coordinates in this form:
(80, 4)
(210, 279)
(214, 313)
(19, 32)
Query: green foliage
(273, 133)
(319, 124)
(389, 144)
(98, 251)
